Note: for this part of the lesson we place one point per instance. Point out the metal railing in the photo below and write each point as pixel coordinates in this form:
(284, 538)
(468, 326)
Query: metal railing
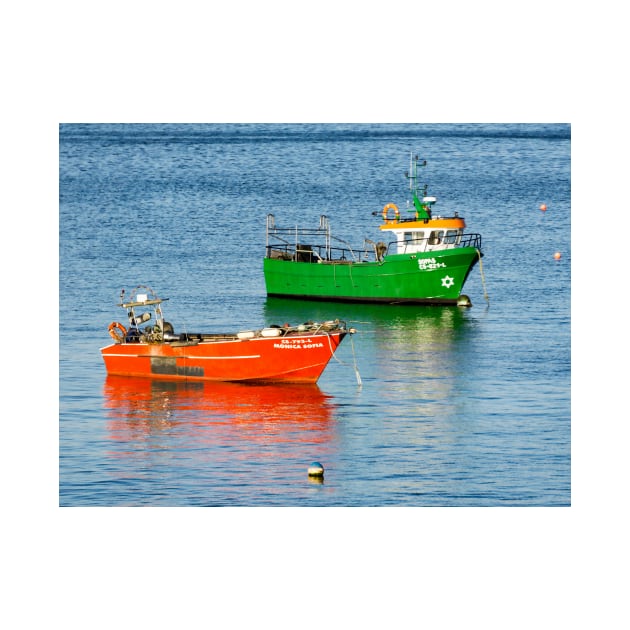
(298, 244)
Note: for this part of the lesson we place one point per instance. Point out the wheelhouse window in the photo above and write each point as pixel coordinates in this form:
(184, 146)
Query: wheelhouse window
(436, 236)
(452, 236)
(411, 241)
(413, 236)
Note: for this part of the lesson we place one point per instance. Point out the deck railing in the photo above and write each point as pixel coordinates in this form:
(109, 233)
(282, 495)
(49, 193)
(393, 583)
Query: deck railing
(316, 244)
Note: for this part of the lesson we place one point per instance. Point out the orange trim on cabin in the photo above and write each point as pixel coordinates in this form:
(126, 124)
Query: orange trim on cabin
(431, 223)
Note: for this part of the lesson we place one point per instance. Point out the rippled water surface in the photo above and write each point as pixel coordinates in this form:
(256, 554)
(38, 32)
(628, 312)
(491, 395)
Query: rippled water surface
(456, 407)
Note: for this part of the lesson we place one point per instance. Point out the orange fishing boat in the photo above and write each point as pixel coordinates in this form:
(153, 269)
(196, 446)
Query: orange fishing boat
(290, 354)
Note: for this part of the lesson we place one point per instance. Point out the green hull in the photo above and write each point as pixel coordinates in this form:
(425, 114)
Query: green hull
(423, 278)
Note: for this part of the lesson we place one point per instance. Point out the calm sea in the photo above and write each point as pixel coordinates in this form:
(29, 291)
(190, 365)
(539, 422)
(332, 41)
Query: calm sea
(455, 407)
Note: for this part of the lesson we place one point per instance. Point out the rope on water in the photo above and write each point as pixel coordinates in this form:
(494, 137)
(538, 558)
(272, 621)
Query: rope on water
(354, 358)
(356, 369)
(483, 279)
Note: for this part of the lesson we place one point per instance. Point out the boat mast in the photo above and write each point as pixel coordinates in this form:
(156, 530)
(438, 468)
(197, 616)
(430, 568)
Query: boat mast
(422, 210)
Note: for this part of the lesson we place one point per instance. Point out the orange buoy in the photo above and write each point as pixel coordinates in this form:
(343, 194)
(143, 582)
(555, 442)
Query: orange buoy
(543, 207)
(557, 255)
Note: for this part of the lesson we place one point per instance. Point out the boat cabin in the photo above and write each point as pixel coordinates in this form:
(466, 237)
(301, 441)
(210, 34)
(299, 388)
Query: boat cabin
(424, 232)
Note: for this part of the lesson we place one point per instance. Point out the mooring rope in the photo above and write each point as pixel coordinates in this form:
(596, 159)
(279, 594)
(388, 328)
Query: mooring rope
(354, 358)
(483, 279)
(356, 369)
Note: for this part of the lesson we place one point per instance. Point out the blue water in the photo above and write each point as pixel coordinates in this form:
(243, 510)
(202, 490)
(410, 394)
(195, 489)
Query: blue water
(456, 407)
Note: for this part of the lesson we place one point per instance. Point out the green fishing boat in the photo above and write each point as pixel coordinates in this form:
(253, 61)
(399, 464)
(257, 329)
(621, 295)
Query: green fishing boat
(420, 259)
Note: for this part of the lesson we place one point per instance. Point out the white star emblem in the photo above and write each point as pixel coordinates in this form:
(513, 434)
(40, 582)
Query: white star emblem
(447, 282)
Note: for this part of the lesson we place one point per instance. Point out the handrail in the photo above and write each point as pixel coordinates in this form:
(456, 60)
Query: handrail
(465, 240)
(295, 243)
(313, 252)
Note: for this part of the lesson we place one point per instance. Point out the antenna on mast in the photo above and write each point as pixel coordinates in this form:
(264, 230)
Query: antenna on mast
(422, 205)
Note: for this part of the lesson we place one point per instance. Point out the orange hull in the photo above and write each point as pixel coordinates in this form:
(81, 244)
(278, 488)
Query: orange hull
(290, 359)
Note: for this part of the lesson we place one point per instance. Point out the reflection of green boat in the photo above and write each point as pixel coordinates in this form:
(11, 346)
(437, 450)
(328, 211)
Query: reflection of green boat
(425, 259)
(418, 325)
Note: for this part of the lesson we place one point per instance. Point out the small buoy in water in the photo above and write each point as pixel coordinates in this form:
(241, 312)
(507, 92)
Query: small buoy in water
(557, 255)
(543, 207)
(315, 470)
(463, 300)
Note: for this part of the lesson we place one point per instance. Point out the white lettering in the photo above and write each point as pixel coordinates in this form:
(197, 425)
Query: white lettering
(428, 264)
(297, 345)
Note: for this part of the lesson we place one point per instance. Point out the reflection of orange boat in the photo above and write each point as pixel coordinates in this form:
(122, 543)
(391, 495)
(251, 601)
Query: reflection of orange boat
(289, 354)
(282, 412)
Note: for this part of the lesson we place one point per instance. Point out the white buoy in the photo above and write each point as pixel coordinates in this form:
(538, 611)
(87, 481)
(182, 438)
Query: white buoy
(315, 470)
